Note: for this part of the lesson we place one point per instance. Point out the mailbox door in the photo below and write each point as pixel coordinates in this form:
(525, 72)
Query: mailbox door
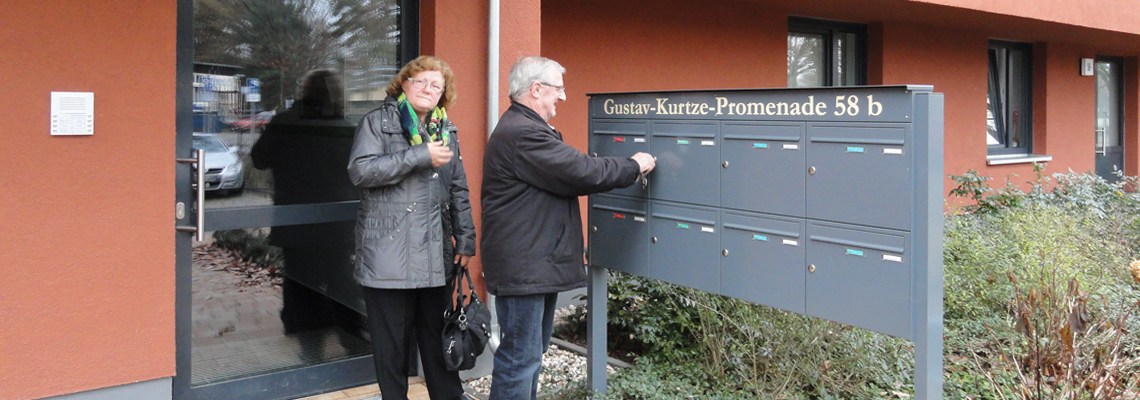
(684, 245)
(688, 162)
(861, 277)
(862, 174)
(763, 259)
(617, 138)
(619, 234)
(763, 167)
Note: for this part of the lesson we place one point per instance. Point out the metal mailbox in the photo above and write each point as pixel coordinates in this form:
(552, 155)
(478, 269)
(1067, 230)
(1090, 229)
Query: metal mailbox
(617, 138)
(684, 240)
(859, 174)
(619, 234)
(820, 201)
(763, 259)
(859, 276)
(688, 162)
(762, 166)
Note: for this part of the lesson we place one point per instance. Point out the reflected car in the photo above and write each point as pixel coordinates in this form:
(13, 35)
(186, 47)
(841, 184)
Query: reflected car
(259, 121)
(224, 171)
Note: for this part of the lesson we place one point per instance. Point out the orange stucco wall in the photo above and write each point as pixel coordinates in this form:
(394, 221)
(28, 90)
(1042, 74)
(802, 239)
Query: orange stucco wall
(454, 34)
(86, 222)
(639, 46)
(1117, 15)
(658, 45)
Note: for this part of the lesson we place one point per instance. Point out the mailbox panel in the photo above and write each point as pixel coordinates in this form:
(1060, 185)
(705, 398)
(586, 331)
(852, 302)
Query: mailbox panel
(763, 167)
(688, 162)
(862, 174)
(619, 234)
(763, 259)
(621, 138)
(862, 277)
(684, 245)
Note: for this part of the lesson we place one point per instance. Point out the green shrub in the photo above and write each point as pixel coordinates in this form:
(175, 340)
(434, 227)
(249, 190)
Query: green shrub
(1038, 300)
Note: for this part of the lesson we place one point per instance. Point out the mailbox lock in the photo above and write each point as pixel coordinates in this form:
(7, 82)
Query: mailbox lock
(725, 164)
(594, 229)
(725, 252)
(654, 239)
(811, 170)
(811, 267)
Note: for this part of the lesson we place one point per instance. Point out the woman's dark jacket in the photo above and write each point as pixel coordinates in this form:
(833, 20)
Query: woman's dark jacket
(532, 228)
(409, 211)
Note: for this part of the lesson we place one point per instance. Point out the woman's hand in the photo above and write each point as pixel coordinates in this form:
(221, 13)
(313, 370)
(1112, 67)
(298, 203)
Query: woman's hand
(440, 154)
(462, 259)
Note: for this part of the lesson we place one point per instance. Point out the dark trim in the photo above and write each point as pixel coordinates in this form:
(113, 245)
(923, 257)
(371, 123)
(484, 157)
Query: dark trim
(409, 31)
(317, 379)
(294, 214)
(184, 125)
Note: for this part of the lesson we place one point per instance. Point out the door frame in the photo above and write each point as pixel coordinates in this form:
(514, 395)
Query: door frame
(280, 385)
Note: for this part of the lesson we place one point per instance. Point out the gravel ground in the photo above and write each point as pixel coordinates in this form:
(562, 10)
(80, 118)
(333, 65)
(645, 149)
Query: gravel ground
(559, 367)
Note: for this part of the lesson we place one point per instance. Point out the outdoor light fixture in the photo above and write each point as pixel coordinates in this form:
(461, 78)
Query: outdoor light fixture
(1087, 67)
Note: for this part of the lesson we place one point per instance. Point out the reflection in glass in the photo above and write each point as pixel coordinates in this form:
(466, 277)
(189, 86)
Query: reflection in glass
(805, 59)
(279, 86)
(1008, 121)
(251, 59)
(249, 319)
(1107, 105)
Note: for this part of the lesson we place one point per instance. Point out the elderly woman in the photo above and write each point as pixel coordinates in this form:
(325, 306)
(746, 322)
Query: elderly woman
(414, 226)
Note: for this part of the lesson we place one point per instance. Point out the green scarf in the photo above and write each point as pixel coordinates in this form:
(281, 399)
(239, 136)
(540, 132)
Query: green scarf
(436, 127)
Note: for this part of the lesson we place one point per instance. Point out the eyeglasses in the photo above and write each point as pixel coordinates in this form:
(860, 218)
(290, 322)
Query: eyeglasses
(559, 87)
(420, 84)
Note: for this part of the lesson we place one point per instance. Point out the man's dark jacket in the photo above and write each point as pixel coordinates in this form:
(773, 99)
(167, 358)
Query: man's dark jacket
(532, 227)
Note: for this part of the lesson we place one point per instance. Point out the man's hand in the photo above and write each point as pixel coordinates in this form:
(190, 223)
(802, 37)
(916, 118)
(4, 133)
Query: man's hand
(645, 161)
(462, 259)
(440, 154)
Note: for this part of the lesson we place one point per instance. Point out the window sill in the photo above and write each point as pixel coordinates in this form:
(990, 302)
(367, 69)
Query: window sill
(1005, 159)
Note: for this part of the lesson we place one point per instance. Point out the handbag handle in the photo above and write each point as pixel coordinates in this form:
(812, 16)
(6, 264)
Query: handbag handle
(461, 298)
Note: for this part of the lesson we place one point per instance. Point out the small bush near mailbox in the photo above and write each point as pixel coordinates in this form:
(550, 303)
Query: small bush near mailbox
(1042, 292)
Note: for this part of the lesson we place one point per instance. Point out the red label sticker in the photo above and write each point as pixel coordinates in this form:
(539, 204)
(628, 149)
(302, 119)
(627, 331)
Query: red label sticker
(621, 216)
(619, 139)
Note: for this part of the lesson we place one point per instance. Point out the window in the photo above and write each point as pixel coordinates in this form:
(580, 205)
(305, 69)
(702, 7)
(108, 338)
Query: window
(826, 53)
(1009, 119)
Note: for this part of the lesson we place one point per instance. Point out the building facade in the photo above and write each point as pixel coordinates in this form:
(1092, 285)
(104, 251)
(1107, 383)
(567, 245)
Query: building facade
(105, 293)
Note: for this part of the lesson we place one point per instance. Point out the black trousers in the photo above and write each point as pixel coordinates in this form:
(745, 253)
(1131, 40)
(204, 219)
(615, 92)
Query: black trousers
(396, 317)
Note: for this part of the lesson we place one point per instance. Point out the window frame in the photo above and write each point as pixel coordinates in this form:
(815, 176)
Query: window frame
(1025, 78)
(833, 31)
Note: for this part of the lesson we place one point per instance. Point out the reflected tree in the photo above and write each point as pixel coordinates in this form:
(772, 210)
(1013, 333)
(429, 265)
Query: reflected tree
(805, 60)
(279, 41)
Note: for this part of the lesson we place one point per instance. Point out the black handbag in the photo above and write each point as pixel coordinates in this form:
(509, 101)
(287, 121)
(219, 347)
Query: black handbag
(466, 327)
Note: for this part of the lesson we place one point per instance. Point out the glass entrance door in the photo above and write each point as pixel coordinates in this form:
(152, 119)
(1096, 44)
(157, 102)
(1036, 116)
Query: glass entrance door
(272, 91)
(1109, 118)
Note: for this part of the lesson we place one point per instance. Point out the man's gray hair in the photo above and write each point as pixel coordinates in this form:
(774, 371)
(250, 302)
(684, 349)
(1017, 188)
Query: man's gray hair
(531, 69)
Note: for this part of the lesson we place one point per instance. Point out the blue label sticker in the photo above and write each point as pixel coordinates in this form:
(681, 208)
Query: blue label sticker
(760, 237)
(682, 141)
(854, 149)
(759, 145)
(682, 226)
(855, 252)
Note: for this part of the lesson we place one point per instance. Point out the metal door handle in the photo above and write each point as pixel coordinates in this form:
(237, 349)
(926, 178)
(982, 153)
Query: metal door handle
(725, 165)
(199, 228)
(811, 268)
(811, 170)
(654, 239)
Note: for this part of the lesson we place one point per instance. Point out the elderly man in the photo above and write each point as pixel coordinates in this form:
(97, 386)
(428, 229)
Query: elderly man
(532, 227)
